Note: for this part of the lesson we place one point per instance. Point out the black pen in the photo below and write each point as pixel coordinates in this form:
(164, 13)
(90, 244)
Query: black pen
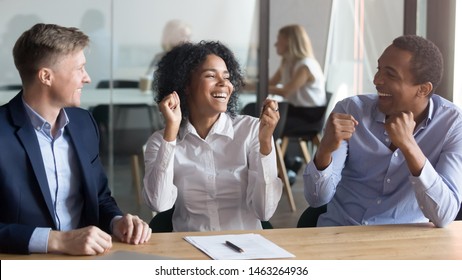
(234, 247)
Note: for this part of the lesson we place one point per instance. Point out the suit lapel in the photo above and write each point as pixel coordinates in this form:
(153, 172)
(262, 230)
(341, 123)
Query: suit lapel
(89, 192)
(28, 138)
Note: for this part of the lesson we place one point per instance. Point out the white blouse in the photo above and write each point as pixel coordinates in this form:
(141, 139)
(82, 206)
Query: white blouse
(218, 183)
(311, 94)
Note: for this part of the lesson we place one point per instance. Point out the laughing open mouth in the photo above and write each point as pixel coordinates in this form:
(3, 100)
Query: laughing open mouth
(220, 95)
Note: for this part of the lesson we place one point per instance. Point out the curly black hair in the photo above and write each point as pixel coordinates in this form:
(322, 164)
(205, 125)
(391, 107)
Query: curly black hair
(175, 69)
(426, 61)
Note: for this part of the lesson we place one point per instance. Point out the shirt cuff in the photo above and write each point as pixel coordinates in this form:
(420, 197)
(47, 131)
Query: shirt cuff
(426, 179)
(115, 219)
(38, 242)
(268, 164)
(316, 174)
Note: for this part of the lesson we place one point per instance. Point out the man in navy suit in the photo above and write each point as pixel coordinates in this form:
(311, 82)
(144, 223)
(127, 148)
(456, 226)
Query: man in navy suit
(54, 196)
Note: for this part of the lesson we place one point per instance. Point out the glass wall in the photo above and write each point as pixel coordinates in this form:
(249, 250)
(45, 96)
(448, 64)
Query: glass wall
(457, 96)
(359, 32)
(125, 37)
(348, 37)
(126, 34)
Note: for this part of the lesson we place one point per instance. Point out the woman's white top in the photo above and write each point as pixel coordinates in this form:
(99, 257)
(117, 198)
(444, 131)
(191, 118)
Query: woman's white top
(311, 94)
(218, 183)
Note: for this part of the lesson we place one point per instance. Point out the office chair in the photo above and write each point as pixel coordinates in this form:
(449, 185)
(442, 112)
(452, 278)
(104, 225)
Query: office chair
(309, 217)
(133, 124)
(459, 215)
(11, 87)
(251, 110)
(118, 84)
(307, 133)
(162, 222)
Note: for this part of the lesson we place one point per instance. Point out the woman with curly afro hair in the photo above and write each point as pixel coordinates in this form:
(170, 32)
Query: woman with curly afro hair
(216, 167)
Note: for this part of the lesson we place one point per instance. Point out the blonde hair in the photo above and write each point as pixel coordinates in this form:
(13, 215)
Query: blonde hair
(43, 45)
(175, 32)
(298, 42)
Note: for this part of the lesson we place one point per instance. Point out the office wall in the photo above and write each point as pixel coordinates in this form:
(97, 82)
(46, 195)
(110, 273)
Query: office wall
(348, 36)
(441, 30)
(128, 32)
(138, 24)
(314, 15)
(17, 16)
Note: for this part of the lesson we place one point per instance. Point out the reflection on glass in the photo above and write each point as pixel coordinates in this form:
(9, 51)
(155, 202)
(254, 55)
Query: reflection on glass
(95, 23)
(359, 32)
(125, 34)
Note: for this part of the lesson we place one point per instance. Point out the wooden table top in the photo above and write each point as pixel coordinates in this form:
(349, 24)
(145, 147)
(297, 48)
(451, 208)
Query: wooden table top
(395, 242)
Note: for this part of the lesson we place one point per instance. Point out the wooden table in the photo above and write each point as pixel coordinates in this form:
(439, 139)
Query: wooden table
(396, 242)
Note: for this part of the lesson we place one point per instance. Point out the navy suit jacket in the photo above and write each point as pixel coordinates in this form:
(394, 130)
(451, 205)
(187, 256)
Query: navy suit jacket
(25, 199)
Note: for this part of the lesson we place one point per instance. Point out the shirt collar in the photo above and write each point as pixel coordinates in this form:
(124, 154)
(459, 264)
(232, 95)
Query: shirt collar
(431, 109)
(380, 117)
(223, 126)
(40, 124)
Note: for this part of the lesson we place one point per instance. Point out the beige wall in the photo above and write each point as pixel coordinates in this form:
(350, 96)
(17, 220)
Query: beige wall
(314, 15)
(441, 30)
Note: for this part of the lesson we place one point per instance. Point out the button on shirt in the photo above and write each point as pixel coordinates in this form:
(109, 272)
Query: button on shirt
(63, 181)
(367, 183)
(221, 182)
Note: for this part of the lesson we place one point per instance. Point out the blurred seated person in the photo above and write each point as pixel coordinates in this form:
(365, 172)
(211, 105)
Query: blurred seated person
(216, 167)
(299, 78)
(54, 194)
(300, 81)
(393, 157)
(175, 32)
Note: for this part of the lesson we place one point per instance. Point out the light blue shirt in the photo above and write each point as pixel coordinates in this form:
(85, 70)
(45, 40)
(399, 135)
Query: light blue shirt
(62, 176)
(367, 183)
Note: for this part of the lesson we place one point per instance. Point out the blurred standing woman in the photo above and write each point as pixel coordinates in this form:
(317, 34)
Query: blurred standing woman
(299, 79)
(216, 167)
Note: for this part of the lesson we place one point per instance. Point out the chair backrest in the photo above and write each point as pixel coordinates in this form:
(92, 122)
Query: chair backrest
(252, 110)
(309, 217)
(332, 99)
(132, 126)
(11, 87)
(119, 84)
(162, 222)
(283, 108)
(459, 215)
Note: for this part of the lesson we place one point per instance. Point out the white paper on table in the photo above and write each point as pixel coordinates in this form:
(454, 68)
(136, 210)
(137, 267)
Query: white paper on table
(254, 245)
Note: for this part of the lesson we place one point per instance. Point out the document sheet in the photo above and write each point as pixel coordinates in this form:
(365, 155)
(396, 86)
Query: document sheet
(253, 246)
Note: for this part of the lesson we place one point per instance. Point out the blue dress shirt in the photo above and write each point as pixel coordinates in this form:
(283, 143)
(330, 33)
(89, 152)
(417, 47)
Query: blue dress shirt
(367, 183)
(62, 176)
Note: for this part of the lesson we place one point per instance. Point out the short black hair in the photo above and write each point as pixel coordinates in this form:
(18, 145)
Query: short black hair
(426, 61)
(175, 69)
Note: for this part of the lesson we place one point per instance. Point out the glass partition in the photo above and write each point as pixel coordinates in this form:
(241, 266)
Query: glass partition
(457, 97)
(125, 36)
(348, 36)
(359, 32)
